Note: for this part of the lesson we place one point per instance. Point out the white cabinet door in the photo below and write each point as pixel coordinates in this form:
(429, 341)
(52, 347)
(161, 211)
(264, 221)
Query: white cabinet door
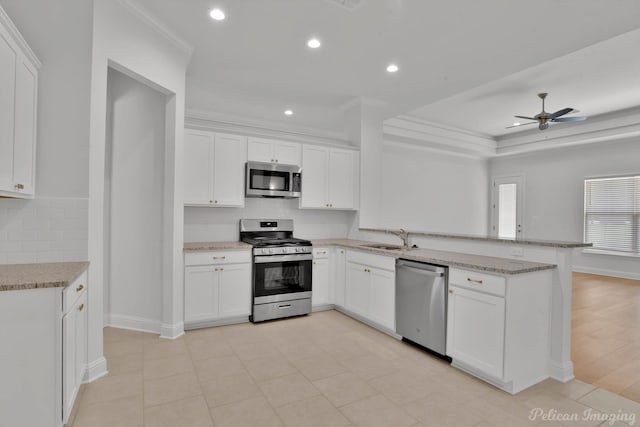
(81, 339)
(341, 179)
(314, 177)
(382, 296)
(8, 60)
(198, 155)
(260, 150)
(69, 338)
(234, 292)
(287, 153)
(475, 330)
(200, 293)
(230, 155)
(24, 147)
(320, 280)
(339, 266)
(357, 289)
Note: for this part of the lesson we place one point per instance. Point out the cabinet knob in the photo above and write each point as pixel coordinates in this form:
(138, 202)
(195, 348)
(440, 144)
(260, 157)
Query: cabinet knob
(19, 186)
(81, 307)
(470, 280)
(222, 269)
(215, 201)
(450, 291)
(314, 263)
(210, 201)
(79, 288)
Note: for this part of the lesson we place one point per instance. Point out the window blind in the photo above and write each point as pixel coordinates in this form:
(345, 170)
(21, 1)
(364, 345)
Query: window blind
(612, 213)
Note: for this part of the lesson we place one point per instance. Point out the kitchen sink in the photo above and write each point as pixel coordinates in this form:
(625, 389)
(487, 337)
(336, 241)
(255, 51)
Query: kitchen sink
(385, 247)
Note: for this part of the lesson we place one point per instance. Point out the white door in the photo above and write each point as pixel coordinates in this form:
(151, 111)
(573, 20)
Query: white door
(287, 153)
(507, 204)
(229, 157)
(198, 152)
(357, 289)
(234, 290)
(341, 173)
(314, 177)
(382, 298)
(475, 330)
(320, 280)
(200, 293)
(8, 58)
(25, 129)
(260, 150)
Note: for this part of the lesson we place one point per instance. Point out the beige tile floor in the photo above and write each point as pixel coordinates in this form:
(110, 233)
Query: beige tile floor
(605, 329)
(324, 369)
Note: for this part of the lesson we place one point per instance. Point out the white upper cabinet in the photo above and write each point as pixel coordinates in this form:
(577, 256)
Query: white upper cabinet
(272, 151)
(328, 178)
(18, 107)
(214, 168)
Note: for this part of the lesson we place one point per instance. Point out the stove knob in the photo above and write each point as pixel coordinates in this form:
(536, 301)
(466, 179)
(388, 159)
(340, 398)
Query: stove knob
(270, 251)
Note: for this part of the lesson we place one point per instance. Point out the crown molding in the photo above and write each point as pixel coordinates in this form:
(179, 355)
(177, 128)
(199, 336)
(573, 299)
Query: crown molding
(416, 131)
(220, 122)
(8, 24)
(621, 124)
(156, 24)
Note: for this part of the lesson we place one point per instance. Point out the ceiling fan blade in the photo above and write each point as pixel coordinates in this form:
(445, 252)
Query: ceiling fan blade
(526, 118)
(519, 126)
(569, 119)
(561, 112)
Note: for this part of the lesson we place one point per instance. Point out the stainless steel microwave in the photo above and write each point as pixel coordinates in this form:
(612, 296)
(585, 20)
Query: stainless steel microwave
(273, 180)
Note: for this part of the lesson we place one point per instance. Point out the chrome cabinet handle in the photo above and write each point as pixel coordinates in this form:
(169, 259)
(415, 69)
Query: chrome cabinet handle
(477, 282)
(79, 288)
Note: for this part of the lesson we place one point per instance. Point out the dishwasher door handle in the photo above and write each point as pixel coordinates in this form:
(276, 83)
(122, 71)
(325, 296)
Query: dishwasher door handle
(423, 272)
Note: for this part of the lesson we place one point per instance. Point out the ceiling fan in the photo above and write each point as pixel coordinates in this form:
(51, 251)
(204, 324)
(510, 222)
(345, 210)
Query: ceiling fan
(543, 118)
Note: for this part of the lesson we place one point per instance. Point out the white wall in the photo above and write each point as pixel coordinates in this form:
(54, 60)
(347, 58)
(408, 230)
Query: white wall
(135, 190)
(554, 194)
(432, 191)
(53, 226)
(203, 224)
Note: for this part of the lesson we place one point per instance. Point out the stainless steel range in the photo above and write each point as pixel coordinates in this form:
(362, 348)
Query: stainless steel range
(281, 269)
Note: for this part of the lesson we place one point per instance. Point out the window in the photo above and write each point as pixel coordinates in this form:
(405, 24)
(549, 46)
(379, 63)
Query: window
(612, 214)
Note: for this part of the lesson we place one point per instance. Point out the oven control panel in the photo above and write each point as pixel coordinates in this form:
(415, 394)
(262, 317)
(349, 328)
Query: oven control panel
(283, 250)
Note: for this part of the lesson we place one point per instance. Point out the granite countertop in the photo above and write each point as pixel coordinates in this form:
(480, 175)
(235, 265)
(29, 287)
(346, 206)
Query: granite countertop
(214, 246)
(451, 259)
(39, 276)
(533, 242)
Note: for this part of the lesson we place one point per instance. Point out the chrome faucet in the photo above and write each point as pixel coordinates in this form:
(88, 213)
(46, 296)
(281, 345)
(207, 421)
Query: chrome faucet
(404, 235)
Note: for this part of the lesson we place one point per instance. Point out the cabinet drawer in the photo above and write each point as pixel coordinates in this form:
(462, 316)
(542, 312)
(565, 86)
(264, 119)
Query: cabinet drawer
(319, 253)
(72, 292)
(217, 257)
(373, 260)
(477, 281)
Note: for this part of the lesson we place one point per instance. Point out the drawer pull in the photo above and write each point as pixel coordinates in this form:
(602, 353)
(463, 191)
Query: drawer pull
(321, 252)
(81, 307)
(477, 282)
(79, 288)
(220, 257)
(284, 307)
(19, 186)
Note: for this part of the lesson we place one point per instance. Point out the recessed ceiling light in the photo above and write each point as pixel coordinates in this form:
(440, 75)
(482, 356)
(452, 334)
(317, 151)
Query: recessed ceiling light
(288, 112)
(392, 68)
(314, 43)
(516, 124)
(216, 14)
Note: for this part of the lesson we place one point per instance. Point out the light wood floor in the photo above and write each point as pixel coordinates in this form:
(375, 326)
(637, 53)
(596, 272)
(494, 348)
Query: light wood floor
(606, 333)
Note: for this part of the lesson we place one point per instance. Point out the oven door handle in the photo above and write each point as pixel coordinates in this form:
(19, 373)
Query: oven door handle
(282, 258)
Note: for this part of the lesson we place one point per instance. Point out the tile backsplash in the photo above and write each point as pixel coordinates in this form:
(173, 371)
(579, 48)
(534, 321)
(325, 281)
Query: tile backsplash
(43, 230)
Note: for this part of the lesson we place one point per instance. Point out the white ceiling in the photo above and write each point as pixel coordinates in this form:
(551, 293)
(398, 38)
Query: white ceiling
(469, 64)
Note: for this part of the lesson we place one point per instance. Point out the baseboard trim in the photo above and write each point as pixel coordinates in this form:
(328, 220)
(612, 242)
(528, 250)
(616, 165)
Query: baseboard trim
(96, 369)
(218, 322)
(368, 322)
(561, 371)
(132, 323)
(323, 307)
(606, 272)
(172, 331)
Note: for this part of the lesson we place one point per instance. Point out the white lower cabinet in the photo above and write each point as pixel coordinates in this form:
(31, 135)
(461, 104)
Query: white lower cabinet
(370, 287)
(338, 263)
(74, 350)
(498, 326)
(320, 277)
(217, 286)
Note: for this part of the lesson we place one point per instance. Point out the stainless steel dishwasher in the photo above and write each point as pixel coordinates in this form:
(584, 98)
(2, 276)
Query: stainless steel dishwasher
(421, 304)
